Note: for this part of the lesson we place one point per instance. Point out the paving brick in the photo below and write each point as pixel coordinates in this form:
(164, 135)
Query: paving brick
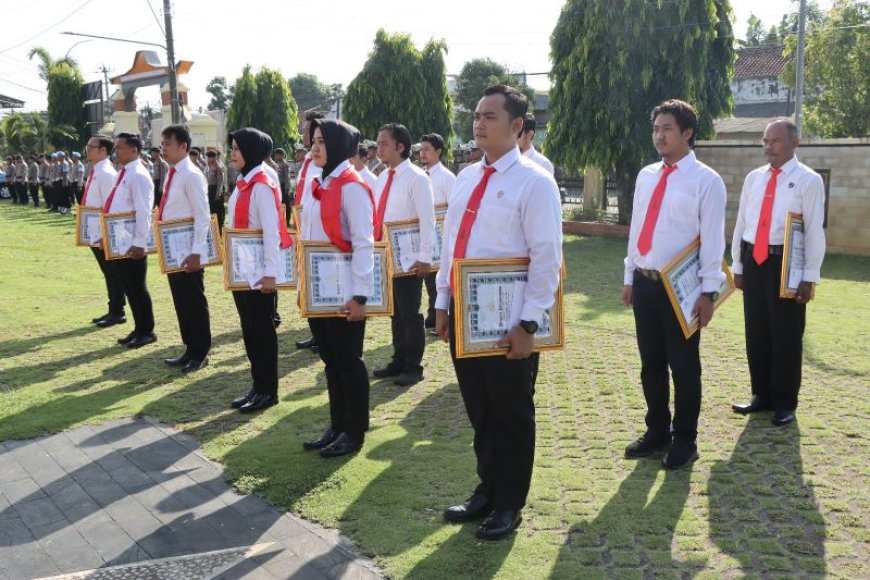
(73, 500)
(39, 512)
(14, 532)
(22, 490)
(11, 470)
(111, 542)
(69, 550)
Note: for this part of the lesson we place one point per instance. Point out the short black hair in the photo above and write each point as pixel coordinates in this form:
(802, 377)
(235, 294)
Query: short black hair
(196, 150)
(180, 134)
(362, 151)
(314, 115)
(103, 142)
(515, 102)
(436, 141)
(401, 135)
(211, 153)
(155, 150)
(529, 123)
(132, 140)
(278, 151)
(683, 112)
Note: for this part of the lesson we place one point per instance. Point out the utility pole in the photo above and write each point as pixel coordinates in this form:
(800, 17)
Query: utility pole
(170, 54)
(799, 82)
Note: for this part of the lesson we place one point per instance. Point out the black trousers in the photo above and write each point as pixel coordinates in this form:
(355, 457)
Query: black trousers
(158, 192)
(33, 188)
(133, 275)
(409, 335)
(261, 342)
(191, 308)
(114, 286)
(64, 197)
(340, 346)
(432, 293)
(661, 344)
(76, 192)
(48, 195)
(774, 333)
(20, 191)
(216, 206)
(499, 398)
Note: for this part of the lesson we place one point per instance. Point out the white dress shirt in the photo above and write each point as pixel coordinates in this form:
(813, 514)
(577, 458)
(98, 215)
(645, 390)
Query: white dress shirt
(187, 197)
(135, 193)
(262, 215)
(539, 158)
(693, 205)
(799, 189)
(410, 198)
(520, 216)
(369, 177)
(356, 227)
(101, 184)
(442, 182)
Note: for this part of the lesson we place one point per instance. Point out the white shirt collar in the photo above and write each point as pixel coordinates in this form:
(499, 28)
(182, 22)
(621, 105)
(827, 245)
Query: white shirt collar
(788, 166)
(257, 169)
(505, 161)
(132, 165)
(339, 169)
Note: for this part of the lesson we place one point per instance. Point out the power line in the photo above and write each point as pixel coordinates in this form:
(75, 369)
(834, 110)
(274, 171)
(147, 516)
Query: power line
(40, 33)
(22, 86)
(160, 26)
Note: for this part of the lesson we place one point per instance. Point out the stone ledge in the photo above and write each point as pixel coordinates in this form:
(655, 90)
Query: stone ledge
(594, 229)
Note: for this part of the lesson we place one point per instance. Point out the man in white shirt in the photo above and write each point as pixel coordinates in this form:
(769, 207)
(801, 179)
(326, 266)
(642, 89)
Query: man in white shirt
(431, 154)
(526, 143)
(403, 192)
(676, 201)
(185, 196)
(359, 163)
(503, 207)
(774, 325)
(98, 184)
(134, 191)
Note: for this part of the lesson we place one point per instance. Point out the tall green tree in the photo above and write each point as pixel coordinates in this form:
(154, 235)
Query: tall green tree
(476, 76)
(18, 134)
(66, 113)
(221, 94)
(394, 87)
(609, 71)
(754, 31)
(837, 72)
(309, 92)
(276, 112)
(243, 109)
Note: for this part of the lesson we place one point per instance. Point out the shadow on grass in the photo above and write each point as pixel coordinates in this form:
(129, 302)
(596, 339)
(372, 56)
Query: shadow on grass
(844, 267)
(762, 512)
(632, 529)
(594, 266)
(15, 347)
(39, 216)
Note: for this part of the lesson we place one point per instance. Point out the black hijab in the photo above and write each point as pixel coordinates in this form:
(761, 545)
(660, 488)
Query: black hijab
(254, 145)
(341, 139)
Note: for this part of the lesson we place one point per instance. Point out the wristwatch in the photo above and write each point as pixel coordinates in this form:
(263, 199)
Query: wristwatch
(713, 296)
(361, 300)
(529, 326)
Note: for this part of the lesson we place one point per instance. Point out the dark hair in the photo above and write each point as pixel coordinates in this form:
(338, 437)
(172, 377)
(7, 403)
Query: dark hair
(362, 151)
(515, 102)
(131, 140)
(683, 112)
(401, 135)
(529, 123)
(180, 134)
(196, 150)
(211, 153)
(313, 115)
(103, 142)
(278, 151)
(436, 141)
(155, 150)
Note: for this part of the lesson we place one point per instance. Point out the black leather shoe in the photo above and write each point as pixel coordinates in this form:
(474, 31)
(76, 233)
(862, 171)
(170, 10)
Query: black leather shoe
(429, 323)
(308, 343)
(142, 340)
(127, 338)
(238, 403)
(646, 445)
(194, 365)
(408, 379)
(328, 437)
(680, 455)
(111, 320)
(99, 318)
(474, 508)
(755, 405)
(258, 403)
(783, 417)
(388, 371)
(342, 445)
(499, 524)
(178, 361)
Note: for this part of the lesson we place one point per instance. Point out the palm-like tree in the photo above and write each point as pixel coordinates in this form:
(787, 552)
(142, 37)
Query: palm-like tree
(46, 62)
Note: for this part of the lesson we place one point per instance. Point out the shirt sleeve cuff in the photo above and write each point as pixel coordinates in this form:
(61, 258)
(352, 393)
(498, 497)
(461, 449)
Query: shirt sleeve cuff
(442, 301)
(710, 285)
(737, 267)
(362, 289)
(628, 277)
(813, 275)
(532, 313)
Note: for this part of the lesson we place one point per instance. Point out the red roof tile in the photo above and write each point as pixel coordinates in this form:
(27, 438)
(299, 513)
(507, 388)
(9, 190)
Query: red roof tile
(759, 62)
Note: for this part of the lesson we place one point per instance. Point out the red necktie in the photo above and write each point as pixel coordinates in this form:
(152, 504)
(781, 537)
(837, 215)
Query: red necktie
(762, 234)
(87, 187)
(644, 241)
(469, 216)
(300, 183)
(382, 207)
(108, 203)
(165, 194)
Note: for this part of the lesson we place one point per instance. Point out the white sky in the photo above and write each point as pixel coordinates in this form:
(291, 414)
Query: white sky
(329, 38)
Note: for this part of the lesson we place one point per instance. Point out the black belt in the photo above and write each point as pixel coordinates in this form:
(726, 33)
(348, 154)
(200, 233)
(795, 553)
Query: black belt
(650, 274)
(771, 250)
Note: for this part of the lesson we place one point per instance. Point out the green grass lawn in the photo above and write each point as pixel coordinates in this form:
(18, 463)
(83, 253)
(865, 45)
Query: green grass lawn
(762, 501)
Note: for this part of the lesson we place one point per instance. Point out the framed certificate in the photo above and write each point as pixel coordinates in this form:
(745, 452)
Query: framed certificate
(489, 304)
(683, 285)
(296, 217)
(118, 230)
(792, 256)
(175, 241)
(326, 280)
(404, 244)
(88, 229)
(244, 263)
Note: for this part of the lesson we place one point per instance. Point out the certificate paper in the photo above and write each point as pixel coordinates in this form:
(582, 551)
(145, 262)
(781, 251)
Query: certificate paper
(175, 242)
(88, 228)
(404, 240)
(245, 265)
(793, 256)
(118, 233)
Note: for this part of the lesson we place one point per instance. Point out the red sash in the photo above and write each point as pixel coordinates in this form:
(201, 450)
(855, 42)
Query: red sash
(330, 205)
(300, 181)
(243, 206)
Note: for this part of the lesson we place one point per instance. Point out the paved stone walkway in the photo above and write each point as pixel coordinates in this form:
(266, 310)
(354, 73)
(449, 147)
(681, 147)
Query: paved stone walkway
(135, 499)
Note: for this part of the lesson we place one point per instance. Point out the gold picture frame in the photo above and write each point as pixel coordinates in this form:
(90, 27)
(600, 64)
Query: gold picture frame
(469, 276)
(683, 286)
(393, 230)
(312, 254)
(792, 251)
(114, 223)
(85, 218)
(296, 217)
(236, 238)
(165, 229)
